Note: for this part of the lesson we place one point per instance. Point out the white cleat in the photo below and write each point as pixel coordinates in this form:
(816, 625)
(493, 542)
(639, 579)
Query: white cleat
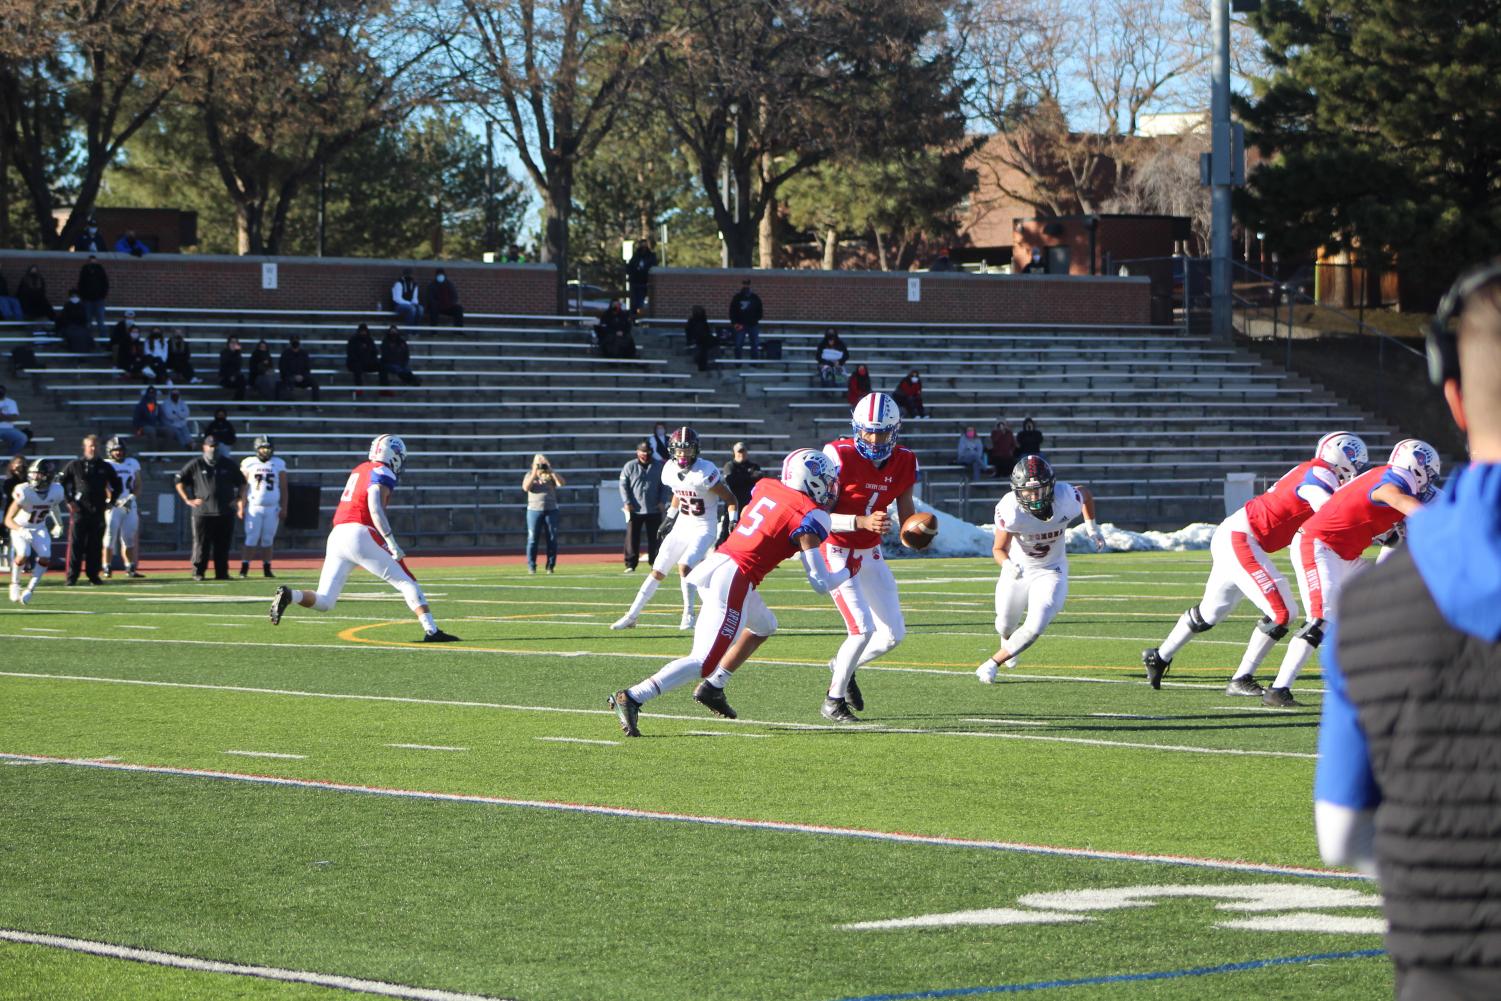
(25, 598)
(986, 672)
(624, 622)
(1011, 663)
(688, 621)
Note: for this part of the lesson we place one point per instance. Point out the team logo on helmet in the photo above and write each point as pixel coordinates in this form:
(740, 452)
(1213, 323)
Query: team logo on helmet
(812, 473)
(682, 445)
(876, 414)
(1345, 452)
(390, 451)
(1032, 481)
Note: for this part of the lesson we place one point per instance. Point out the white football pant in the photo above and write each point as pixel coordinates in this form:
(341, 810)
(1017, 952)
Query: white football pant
(1322, 573)
(260, 526)
(1032, 598)
(1243, 569)
(28, 542)
(690, 540)
(352, 545)
(872, 611)
(121, 525)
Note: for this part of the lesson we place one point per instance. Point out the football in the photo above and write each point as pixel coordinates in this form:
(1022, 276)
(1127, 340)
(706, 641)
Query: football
(918, 531)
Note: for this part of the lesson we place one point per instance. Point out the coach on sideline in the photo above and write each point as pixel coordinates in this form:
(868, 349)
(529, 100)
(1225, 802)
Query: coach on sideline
(90, 485)
(213, 487)
(1407, 784)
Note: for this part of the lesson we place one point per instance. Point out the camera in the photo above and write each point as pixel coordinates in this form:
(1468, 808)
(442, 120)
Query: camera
(544, 467)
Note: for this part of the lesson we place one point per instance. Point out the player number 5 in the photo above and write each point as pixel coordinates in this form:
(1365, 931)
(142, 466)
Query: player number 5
(751, 520)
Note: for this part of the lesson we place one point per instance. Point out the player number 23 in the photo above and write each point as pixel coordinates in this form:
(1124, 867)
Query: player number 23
(751, 520)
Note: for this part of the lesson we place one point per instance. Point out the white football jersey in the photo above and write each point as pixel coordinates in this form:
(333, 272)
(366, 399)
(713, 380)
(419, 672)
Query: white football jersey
(1034, 542)
(694, 488)
(129, 472)
(264, 478)
(34, 505)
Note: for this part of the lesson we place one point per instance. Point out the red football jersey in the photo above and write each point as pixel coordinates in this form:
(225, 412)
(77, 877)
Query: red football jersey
(770, 526)
(354, 504)
(865, 488)
(1276, 515)
(1351, 520)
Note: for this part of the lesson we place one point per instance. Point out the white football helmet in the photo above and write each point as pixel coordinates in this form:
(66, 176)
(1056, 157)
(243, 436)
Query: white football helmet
(1345, 452)
(876, 413)
(1421, 460)
(264, 444)
(39, 474)
(389, 450)
(115, 444)
(811, 472)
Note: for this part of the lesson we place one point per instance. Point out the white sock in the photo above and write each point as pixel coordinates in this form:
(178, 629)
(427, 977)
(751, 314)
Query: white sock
(36, 576)
(688, 592)
(429, 624)
(1292, 662)
(648, 588)
(1259, 645)
(677, 673)
(296, 597)
(845, 662)
(719, 678)
(1177, 639)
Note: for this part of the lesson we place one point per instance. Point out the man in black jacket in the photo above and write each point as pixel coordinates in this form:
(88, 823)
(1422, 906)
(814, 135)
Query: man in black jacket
(213, 488)
(638, 274)
(740, 475)
(90, 485)
(296, 369)
(745, 319)
(1411, 733)
(93, 289)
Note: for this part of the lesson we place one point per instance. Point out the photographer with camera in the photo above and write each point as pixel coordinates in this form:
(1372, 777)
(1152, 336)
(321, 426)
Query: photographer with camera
(541, 484)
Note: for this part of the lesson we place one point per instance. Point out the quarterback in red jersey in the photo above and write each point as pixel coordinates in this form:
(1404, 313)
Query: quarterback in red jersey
(362, 536)
(873, 471)
(1328, 547)
(786, 517)
(1243, 567)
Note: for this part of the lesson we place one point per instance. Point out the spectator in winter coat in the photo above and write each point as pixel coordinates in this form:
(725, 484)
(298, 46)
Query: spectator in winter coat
(263, 371)
(177, 419)
(613, 332)
(148, 413)
(93, 289)
(137, 363)
(223, 431)
(180, 358)
(443, 300)
(970, 453)
(638, 274)
(120, 335)
(1002, 449)
(361, 355)
(740, 475)
(700, 338)
(908, 396)
(396, 359)
(32, 293)
(859, 385)
(830, 356)
(156, 353)
(405, 298)
(1029, 442)
(745, 319)
(73, 325)
(232, 367)
(296, 369)
(10, 306)
(129, 244)
(90, 240)
(658, 443)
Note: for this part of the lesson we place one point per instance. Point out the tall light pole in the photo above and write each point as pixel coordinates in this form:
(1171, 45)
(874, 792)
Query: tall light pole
(1221, 170)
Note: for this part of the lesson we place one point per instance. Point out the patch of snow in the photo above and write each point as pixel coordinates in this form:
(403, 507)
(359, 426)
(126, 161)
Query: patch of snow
(957, 537)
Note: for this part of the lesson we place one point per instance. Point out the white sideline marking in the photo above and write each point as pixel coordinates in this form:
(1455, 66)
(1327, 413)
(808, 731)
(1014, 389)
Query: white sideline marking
(137, 627)
(580, 740)
(1254, 706)
(427, 747)
(1130, 716)
(39, 629)
(267, 754)
(897, 837)
(726, 733)
(1007, 722)
(111, 951)
(777, 724)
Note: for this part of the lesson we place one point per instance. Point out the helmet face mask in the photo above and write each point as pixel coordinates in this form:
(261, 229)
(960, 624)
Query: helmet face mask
(1421, 460)
(810, 472)
(390, 451)
(874, 424)
(682, 445)
(114, 445)
(1345, 452)
(264, 448)
(39, 474)
(1032, 481)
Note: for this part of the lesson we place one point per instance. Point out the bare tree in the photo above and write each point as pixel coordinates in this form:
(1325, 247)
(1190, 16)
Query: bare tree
(1166, 182)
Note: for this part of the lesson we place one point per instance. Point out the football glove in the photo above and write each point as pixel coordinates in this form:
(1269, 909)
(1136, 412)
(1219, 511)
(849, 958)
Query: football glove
(1098, 538)
(667, 522)
(397, 553)
(57, 530)
(1392, 537)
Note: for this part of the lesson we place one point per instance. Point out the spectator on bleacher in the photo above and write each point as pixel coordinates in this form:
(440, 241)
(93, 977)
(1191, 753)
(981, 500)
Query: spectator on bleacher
(296, 369)
(15, 475)
(405, 299)
(223, 430)
(658, 443)
(263, 370)
(396, 358)
(700, 338)
(210, 485)
(138, 363)
(643, 498)
(232, 367)
(129, 244)
(740, 475)
(147, 416)
(942, 262)
(908, 396)
(830, 357)
(638, 274)
(90, 240)
(443, 300)
(745, 319)
(361, 355)
(180, 359)
(32, 292)
(93, 289)
(156, 353)
(120, 336)
(1029, 442)
(613, 332)
(177, 419)
(1002, 449)
(859, 385)
(10, 306)
(72, 326)
(970, 453)
(541, 484)
(12, 438)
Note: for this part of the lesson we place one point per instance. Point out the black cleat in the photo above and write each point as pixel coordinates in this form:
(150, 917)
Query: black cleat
(1156, 666)
(439, 637)
(136, 575)
(853, 696)
(838, 711)
(712, 699)
(628, 710)
(1279, 698)
(244, 573)
(278, 604)
(1245, 686)
(266, 572)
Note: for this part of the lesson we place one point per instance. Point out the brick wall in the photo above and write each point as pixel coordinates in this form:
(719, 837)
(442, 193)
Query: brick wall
(875, 296)
(208, 280)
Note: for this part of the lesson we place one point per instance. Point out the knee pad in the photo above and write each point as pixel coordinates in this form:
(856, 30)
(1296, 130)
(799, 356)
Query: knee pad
(1312, 633)
(1276, 630)
(1196, 623)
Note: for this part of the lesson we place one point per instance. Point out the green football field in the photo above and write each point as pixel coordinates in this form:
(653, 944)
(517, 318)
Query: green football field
(322, 807)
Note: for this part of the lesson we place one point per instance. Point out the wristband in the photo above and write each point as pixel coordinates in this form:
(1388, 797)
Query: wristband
(842, 522)
(1089, 523)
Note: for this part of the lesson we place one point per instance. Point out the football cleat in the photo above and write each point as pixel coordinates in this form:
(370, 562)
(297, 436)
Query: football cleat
(26, 596)
(712, 698)
(853, 696)
(812, 473)
(107, 573)
(135, 575)
(266, 572)
(1279, 698)
(838, 711)
(245, 573)
(1245, 686)
(1155, 665)
(688, 621)
(987, 672)
(627, 710)
(439, 636)
(278, 604)
(625, 621)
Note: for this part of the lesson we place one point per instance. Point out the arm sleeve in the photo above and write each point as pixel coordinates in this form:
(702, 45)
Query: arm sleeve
(814, 523)
(1317, 487)
(1397, 479)
(820, 577)
(378, 511)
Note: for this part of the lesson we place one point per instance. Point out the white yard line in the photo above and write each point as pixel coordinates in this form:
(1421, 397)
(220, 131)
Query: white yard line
(1007, 722)
(427, 747)
(580, 740)
(726, 733)
(127, 626)
(109, 950)
(39, 629)
(267, 754)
